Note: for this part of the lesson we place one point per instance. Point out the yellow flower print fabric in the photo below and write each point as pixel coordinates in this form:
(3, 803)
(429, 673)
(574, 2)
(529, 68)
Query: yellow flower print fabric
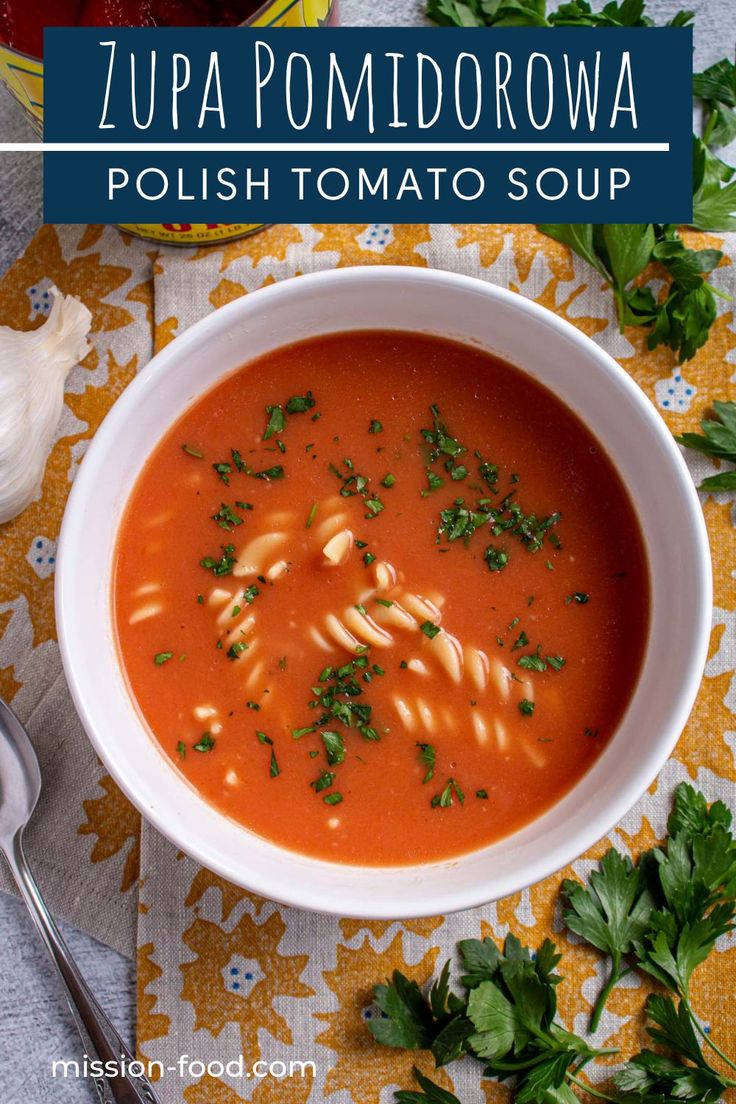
(220, 971)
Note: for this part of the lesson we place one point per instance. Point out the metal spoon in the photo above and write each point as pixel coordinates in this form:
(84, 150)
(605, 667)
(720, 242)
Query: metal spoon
(20, 786)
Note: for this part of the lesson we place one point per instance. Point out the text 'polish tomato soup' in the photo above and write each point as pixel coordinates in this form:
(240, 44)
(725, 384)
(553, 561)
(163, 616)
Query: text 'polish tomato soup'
(381, 597)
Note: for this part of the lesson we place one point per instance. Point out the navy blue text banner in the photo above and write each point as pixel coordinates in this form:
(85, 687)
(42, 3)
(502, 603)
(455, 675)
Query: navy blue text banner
(355, 125)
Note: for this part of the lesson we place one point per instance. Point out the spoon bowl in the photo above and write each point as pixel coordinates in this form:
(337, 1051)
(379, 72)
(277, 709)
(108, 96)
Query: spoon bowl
(20, 787)
(20, 775)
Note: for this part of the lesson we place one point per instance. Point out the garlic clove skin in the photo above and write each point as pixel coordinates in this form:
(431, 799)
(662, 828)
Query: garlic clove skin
(33, 370)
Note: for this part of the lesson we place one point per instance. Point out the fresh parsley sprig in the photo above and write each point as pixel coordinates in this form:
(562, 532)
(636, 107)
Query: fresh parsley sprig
(684, 1074)
(506, 1018)
(621, 253)
(667, 911)
(682, 318)
(716, 87)
(613, 914)
(533, 13)
(719, 441)
(662, 915)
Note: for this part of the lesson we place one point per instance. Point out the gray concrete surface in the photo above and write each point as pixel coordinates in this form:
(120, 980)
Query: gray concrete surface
(35, 1026)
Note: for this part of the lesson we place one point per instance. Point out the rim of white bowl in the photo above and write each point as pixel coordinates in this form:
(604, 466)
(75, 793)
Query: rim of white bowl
(341, 901)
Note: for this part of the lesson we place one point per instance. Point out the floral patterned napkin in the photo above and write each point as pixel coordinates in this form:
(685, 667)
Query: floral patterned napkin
(221, 971)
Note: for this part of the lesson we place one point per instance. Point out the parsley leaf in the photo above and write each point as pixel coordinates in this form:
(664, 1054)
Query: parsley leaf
(649, 1075)
(430, 1094)
(428, 756)
(717, 440)
(408, 1023)
(716, 87)
(613, 914)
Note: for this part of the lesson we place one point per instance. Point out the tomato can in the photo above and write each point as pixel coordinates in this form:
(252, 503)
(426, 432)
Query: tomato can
(22, 74)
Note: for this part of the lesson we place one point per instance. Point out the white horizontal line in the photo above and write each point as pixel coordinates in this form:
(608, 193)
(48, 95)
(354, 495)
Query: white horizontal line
(334, 147)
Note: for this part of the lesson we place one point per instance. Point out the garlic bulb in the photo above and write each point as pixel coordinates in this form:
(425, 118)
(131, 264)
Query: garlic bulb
(33, 369)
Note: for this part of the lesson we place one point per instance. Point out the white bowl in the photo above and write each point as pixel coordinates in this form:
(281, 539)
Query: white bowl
(551, 350)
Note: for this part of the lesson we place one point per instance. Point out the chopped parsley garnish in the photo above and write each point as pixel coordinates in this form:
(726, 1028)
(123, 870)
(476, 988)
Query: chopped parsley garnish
(375, 426)
(458, 522)
(224, 470)
(263, 738)
(532, 662)
(334, 747)
(251, 593)
(428, 756)
(224, 565)
(274, 769)
(482, 794)
(368, 558)
(190, 450)
(162, 657)
(325, 780)
(457, 471)
(299, 404)
(333, 798)
(205, 743)
(388, 480)
(243, 505)
(434, 482)
(200, 599)
(356, 484)
(276, 421)
(579, 597)
(226, 518)
(181, 749)
(235, 650)
(384, 602)
(440, 439)
(496, 558)
(276, 472)
(444, 799)
(521, 641)
(253, 705)
(282, 663)
(530, 529)
(488, 473)
(312, 515)
(361, 544)
(430, 629)
(526, 707)
(297, 733)
(338, 698)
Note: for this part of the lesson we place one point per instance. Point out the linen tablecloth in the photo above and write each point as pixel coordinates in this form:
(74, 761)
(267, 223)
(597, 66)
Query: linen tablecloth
(221, 971)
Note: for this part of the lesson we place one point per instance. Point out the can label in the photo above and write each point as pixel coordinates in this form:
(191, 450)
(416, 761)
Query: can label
(23, 77)
(191, 233)
(23, 74)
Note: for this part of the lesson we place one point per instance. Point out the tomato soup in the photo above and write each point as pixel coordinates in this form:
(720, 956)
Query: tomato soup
(380, 597)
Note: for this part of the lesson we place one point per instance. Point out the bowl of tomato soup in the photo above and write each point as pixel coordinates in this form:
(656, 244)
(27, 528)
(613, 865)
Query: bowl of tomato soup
(399, 592)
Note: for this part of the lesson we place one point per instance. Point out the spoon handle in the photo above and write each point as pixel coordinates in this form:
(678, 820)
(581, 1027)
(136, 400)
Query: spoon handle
(100, 1038)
